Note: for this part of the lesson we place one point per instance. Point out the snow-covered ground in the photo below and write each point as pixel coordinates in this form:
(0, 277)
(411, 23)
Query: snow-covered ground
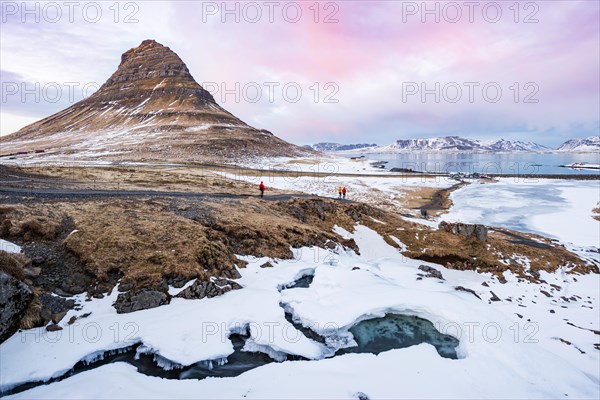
(375, 190)
(582, 166)
(558, 209)
(9, 247)
(326, 163)
(538, 341)
(508, 349)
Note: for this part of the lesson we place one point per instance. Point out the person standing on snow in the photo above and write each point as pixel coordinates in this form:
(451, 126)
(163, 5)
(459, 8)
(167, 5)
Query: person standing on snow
(344, 192)
(340, 191)
(262, 188)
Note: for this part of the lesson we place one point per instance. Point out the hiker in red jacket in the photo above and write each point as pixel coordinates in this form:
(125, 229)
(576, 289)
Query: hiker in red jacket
(344, 192)
(262, 188)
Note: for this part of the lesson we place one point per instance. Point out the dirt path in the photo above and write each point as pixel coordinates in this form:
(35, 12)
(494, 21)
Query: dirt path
(79, 194)
(440, 201)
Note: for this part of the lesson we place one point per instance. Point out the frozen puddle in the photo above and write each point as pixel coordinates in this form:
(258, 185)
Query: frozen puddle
(396, 331)
(371, 336)
(375, 335)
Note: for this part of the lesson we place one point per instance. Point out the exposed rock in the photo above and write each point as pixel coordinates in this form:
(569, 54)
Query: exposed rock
(15, 297)
(72, 320)
(480, 232)
(75, 284)
(545, 293)
(403, 170)
(360, 396)
(200, 290)
(464, 289)
(125, 286)
(140, 300)
(267, 265)
(32, 272)
(494, 297)
(54, 305)
(431, 272)
(485, 284)
(53, 328)
(56, 318)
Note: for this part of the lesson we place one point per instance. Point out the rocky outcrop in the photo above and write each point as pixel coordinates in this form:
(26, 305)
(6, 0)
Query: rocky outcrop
(431, 272)
(464, 289)
(480, 232)
(15, 297)
(200, 290)
(54, 308)
(140, 300)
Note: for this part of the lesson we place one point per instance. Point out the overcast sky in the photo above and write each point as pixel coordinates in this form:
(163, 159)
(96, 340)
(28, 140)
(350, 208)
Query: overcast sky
(340, 71)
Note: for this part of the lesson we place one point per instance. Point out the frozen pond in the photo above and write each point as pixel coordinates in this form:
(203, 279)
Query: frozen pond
(555, 208)
(396, 331)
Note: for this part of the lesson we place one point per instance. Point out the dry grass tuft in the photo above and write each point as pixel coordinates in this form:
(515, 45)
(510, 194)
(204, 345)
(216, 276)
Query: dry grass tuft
(13, 264)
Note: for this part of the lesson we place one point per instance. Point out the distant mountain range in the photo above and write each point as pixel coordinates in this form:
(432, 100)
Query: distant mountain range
(456, 144)
(328, 146)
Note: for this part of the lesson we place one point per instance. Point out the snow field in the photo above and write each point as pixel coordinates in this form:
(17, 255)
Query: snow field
(501, 355)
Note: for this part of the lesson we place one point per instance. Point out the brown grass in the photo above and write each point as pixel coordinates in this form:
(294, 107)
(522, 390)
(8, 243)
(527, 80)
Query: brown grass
(417, 198)
(146, 242)
(13, 264)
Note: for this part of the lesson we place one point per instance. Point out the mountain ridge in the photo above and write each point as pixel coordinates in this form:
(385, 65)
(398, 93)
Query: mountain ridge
(588, 144)
(457, 144)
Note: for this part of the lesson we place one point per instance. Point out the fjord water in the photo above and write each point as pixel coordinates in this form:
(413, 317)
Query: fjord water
(488, 163)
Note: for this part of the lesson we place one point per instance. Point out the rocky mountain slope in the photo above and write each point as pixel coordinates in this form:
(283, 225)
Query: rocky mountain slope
(589, 144)
(151, 108)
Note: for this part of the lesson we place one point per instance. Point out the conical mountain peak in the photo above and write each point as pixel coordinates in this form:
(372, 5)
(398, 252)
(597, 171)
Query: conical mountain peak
(149, 60)
(150, 108)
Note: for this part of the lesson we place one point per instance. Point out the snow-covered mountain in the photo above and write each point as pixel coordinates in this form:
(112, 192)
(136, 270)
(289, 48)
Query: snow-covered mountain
(328, 146)
(585, 145)
(449, 143)
(458, 144)
(516, 145)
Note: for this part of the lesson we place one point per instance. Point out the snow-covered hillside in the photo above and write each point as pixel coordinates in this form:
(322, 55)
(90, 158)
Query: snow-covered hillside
(516, 145)
(585, 145)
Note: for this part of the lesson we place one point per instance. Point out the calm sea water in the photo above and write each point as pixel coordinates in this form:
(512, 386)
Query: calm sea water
(489, 163)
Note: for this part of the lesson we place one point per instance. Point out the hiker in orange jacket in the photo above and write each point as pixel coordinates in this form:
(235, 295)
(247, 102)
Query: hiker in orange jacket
(340, 191)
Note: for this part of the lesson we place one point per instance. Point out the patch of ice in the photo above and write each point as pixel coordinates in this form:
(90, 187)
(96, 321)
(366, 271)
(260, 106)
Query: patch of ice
(9, 247)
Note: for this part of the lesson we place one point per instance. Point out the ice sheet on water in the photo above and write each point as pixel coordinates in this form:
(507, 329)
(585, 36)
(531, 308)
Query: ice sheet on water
(161, 361)
(544, 206)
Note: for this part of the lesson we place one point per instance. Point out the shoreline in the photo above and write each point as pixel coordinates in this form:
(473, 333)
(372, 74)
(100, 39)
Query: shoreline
(440, 202)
